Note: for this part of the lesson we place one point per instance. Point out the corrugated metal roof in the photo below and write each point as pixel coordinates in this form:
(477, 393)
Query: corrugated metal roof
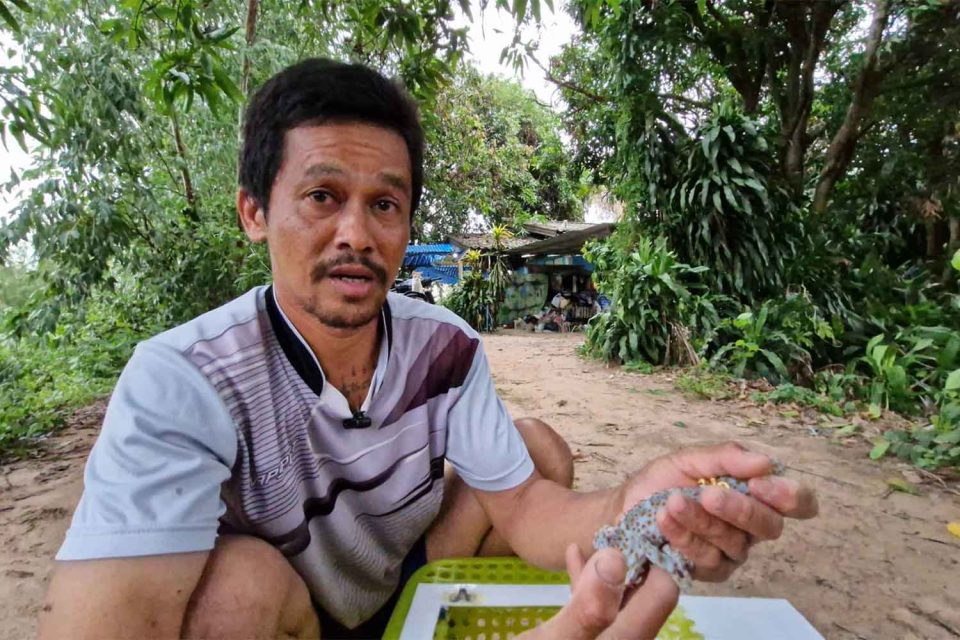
(424, 255)
(446, 275)
(566, 243)
(485, 241)
(417, 249)
(551, 228)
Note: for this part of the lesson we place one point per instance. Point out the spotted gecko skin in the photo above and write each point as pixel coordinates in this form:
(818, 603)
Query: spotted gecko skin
(638, 537)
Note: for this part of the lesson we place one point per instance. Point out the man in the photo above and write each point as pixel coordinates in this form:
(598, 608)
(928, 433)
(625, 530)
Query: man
(275, 467)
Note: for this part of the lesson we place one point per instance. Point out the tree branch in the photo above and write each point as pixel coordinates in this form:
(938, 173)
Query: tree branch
(189, 193)
(569, 85)
(699, 104)
(253, 6)
(844, 142)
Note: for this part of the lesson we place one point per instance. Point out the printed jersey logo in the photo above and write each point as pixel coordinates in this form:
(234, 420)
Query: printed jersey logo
(275, 472)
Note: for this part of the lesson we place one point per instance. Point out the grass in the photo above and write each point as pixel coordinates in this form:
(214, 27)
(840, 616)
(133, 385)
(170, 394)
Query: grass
(801, 396)
(706, 384)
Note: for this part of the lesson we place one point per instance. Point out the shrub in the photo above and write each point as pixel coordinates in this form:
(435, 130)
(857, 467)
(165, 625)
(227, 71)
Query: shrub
(775, 342)
(656, 315)
(472, 299)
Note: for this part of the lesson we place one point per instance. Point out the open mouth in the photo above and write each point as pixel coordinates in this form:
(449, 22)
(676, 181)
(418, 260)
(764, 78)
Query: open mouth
(352, 274)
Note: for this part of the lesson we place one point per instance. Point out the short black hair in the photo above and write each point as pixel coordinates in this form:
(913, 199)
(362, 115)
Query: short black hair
(315, 91)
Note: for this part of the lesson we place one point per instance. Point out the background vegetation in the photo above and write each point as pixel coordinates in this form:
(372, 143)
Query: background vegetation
(789, 172)
(795, 167)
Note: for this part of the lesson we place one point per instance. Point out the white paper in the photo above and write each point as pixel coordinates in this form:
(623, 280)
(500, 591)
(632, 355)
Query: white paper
(714, 618)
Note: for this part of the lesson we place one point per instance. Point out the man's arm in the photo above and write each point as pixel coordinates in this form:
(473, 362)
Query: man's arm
(539, 518)
(150, 510)
(143, 597)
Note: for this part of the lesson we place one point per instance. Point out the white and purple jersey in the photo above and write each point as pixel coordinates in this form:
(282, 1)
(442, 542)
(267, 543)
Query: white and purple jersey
(226, 425)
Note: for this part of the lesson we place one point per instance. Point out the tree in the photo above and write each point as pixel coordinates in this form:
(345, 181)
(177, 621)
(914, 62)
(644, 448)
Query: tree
(133, 110)
(675, 58)
(495, 152)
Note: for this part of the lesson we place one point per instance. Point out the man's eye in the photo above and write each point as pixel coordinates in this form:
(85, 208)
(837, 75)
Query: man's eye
(384, 205)
(320, 196)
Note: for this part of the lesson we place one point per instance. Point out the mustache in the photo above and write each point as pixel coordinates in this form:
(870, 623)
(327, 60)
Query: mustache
(322, 269)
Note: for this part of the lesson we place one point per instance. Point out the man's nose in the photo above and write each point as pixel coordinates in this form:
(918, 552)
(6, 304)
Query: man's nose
(353, 228)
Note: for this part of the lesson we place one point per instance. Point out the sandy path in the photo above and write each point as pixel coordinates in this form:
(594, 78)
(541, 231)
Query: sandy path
(873, 565)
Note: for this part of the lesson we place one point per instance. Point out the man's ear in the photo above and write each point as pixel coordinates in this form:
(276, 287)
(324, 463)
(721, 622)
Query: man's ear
(252, 217)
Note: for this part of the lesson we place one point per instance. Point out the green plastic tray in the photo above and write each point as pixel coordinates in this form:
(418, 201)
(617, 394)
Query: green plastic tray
(472, 622)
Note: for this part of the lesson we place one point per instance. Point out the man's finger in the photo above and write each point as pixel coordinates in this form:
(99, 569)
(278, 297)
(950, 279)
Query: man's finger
(786, 495)
(594, 603)
(731, 541)
(743, 512)
(646, 610)
(710, 564)
(729, 459)
(575, 562)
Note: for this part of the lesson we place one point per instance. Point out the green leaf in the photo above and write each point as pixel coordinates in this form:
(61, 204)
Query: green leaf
(227, 85)
(953, 381)
(519, 9)
(956, 260)
(7, 17)
(897, 484)
(728, 192)
(879, 449)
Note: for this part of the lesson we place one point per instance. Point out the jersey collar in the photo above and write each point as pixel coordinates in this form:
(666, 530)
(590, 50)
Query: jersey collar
(301, 356)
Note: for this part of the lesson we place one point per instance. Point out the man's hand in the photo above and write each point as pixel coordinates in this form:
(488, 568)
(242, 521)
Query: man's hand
(598, 608)
(716, 533)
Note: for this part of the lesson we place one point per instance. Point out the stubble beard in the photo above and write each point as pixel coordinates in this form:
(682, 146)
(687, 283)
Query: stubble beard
(359, 312)
(359, 316)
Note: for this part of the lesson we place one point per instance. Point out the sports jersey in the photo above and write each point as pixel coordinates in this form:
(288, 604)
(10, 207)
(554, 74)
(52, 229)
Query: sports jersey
(226, 424)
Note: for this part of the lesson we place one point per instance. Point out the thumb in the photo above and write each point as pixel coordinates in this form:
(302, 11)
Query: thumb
(595, 602)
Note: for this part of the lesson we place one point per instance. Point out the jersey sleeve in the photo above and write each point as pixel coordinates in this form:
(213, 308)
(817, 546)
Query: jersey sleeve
(152, 481)
(483, 444)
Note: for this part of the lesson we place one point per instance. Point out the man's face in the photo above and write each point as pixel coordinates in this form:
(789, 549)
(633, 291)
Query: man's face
(338, 222)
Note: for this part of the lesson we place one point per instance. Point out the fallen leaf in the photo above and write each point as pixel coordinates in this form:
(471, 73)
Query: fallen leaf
(954, 528)
(681, 424)
(847, 430)
(880, 449)
(903, 486)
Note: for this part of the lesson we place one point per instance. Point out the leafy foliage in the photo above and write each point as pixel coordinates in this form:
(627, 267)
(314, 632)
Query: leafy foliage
(716, 199)
(130, 112)
(774, 343)
(495, 153)
(654, 303)
(472, 300)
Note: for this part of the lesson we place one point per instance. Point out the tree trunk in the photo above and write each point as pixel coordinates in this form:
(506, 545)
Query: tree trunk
(844, 142)
(185, 178)
(253, 8)
(807, 26)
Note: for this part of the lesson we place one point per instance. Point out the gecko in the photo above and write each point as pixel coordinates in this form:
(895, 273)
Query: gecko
(638, 537)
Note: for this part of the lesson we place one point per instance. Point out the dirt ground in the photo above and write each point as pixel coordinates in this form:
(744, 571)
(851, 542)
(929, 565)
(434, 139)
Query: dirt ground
(874, 564)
